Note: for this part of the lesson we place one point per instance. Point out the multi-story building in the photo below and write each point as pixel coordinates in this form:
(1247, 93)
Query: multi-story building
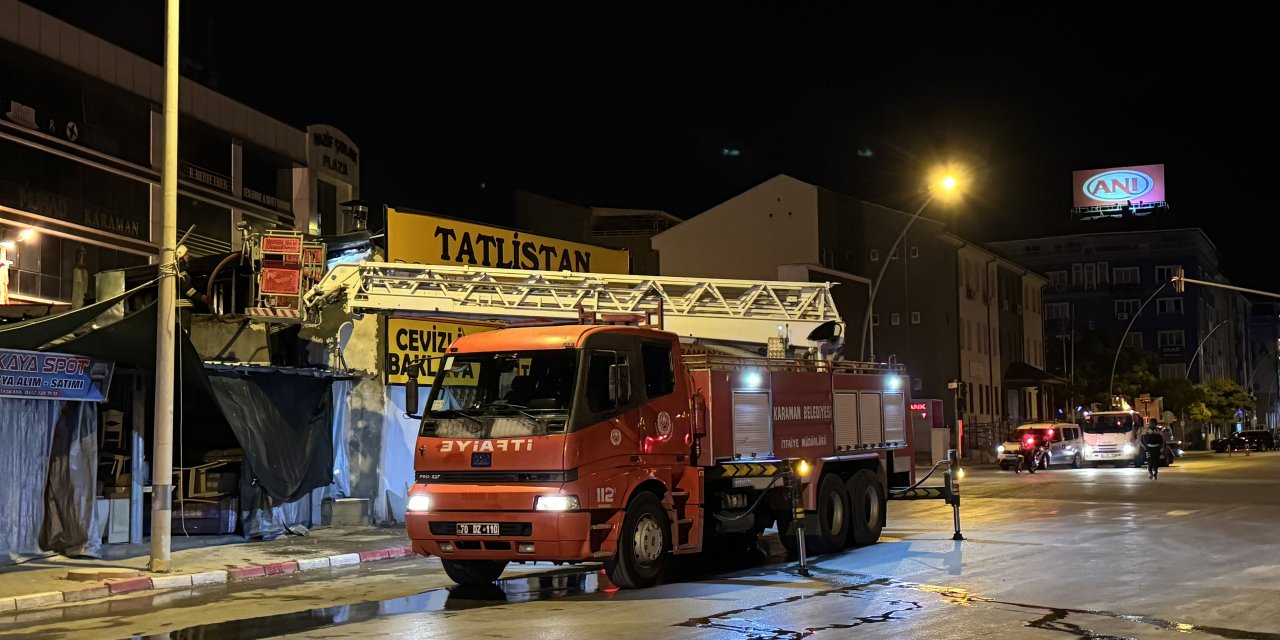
(1264, 377)
(947, 308)
(81, 135)
(1099, 281)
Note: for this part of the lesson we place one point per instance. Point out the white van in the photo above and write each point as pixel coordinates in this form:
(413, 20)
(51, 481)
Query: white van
(1065, 444)
(1111, 436)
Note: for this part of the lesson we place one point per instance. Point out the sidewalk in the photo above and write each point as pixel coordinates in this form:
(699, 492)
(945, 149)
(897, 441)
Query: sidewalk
(197, 560)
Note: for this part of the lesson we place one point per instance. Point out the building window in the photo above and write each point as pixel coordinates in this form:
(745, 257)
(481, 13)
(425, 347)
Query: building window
(1169, 305)
(1126, 275)
(1172, 371)
(1077, 274)
(1166, 272)
(915, 251)
(875, 319)
(1172, 339)
(1126, 309)
(1057, 311)
(915, 317)
(1104, 271)
(1133, 340)
(895, 319)
(1058, 279)
(874, 255)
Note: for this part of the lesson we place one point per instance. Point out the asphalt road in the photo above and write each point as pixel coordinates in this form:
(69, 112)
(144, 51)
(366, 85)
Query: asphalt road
(1091, 553)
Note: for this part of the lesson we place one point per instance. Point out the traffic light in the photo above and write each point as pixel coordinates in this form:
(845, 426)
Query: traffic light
(1179, 284)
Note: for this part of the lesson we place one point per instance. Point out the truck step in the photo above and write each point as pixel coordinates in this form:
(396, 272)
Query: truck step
(679, 493)
(602, 554)
(687, 545)
(602, 526)
(684, 521)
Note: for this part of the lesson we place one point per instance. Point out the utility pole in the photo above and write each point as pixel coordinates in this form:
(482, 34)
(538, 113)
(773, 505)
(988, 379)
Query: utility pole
(162, 457)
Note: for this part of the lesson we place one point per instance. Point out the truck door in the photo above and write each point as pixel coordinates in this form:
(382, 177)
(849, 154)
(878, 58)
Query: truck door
(664, 416)
(608, 416)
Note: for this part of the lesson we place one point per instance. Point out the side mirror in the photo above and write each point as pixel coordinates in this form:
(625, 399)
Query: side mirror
(411, 391)
(619, 384)
(699, 415)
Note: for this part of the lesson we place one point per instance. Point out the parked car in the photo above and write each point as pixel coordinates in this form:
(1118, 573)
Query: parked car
(1254, 440)
(1064, 440)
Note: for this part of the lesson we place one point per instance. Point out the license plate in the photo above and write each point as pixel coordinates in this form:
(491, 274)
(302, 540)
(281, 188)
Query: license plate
(477, 528)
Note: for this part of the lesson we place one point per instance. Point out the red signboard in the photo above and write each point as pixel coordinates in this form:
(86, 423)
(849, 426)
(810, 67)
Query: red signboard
(281, 281)
(1119, 186)
(277, 244)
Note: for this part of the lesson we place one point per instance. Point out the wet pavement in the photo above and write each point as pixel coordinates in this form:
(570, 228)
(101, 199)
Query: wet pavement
(1086, 554)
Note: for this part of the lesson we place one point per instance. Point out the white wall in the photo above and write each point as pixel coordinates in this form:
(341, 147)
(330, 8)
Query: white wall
(747, 236)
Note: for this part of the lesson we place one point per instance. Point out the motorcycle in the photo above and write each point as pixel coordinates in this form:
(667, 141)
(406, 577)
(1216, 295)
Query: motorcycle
(1034, 452)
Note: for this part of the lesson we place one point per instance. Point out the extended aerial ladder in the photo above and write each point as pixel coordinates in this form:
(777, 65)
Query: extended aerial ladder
(710, 311)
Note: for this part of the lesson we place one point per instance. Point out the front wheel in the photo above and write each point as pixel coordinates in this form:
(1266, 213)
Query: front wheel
(1077, 462)
(643, 545)
(470, 573)
(1004, 466)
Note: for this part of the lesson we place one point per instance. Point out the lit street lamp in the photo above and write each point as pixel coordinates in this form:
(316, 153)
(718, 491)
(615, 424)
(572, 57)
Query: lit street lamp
(944, 185)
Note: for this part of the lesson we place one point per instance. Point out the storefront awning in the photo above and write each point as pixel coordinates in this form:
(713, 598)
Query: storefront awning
(1021, 374)
(34, 334)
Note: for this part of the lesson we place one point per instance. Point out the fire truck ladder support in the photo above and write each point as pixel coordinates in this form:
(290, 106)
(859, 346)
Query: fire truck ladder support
(949, 491)
(732, 311)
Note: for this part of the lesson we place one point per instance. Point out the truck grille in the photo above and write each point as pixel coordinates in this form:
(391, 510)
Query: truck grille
(505, 529)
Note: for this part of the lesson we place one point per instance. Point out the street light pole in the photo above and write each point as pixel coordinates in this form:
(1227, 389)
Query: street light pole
(162, 456)
(1111, 385)
(1197, 353)
(875, 285)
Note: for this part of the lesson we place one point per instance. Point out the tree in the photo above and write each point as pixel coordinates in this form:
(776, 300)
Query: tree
(1094, 356)
(1226, 401)
(1198, 412)
(1179, 394)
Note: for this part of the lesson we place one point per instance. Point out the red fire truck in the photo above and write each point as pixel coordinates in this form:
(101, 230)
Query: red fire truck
(589, 440)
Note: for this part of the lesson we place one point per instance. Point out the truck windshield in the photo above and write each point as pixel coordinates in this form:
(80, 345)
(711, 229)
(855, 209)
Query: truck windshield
(501, 395)
(1115, 423)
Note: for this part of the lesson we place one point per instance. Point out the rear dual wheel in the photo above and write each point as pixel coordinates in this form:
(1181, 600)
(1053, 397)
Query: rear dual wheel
(867, 499)
(850, 512)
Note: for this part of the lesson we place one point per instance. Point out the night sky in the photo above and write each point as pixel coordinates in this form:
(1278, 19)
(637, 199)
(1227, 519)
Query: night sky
(633, 104)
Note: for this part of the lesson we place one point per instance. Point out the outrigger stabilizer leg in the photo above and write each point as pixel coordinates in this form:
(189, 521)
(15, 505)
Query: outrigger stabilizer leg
(795, 485)
(953, 490)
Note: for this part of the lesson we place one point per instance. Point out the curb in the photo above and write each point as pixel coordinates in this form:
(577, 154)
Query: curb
(85, 592)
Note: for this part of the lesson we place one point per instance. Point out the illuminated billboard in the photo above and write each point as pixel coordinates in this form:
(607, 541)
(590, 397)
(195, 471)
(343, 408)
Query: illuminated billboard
(1119, 186)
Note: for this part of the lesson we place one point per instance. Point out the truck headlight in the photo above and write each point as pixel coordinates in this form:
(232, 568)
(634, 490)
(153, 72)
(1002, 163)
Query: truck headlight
(1128, 449)
(418, 502)
(1000, 448)
(556, 503)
